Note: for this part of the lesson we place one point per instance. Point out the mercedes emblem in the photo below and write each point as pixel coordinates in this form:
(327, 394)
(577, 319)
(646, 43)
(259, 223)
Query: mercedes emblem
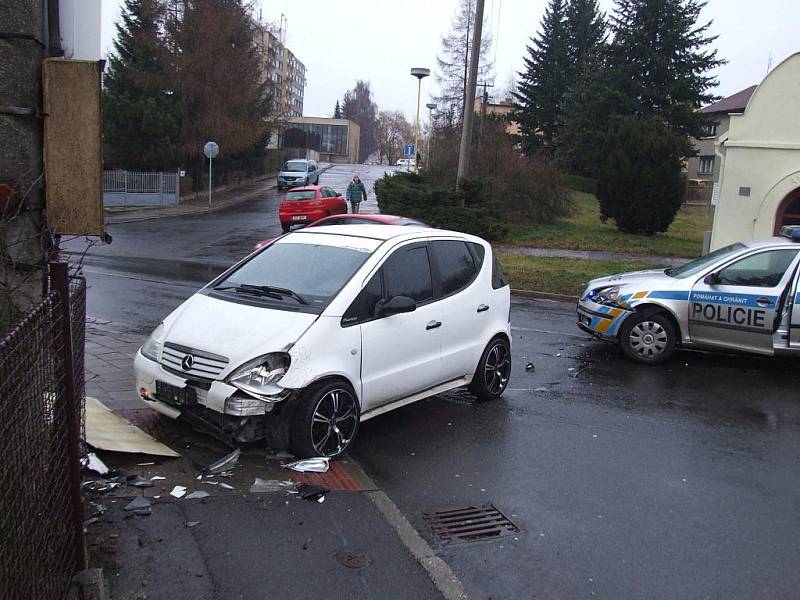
(187, 362)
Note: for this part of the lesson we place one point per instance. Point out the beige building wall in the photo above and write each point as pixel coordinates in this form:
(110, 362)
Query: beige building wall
(503, 108)
(353, 138)
(760, 170)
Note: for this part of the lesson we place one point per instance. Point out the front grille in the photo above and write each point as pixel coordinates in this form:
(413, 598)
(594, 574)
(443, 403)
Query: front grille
(204, 365)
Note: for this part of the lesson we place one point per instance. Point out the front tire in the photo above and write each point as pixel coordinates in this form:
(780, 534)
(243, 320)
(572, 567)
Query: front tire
(285, 227)
(648, 339)
(493, 372)
(326, 420)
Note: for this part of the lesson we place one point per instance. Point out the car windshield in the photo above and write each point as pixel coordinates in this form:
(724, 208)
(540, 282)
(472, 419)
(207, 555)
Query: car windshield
(294, 165)
(303, 195)
(314, 272)
(695, 266)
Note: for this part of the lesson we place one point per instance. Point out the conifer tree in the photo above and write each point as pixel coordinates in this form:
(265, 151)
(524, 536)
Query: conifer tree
(544, 81)
(141, 113)
(337, 111)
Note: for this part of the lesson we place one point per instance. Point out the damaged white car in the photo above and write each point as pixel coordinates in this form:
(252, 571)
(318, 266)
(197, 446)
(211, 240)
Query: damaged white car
(327, 327)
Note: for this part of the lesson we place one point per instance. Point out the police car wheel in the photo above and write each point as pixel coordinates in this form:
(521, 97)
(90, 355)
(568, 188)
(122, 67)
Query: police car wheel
(648, 339)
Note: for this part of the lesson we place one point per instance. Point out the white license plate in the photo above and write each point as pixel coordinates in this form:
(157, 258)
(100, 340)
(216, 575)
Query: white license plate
(299, 218)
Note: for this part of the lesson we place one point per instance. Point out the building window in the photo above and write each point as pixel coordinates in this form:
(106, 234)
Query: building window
(706, 165)
(709, 131)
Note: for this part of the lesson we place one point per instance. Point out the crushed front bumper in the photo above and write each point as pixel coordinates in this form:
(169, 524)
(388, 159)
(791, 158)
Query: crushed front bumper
(222, 409)
(600, 320)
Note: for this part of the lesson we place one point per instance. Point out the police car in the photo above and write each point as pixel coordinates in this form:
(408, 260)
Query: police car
(742, 297)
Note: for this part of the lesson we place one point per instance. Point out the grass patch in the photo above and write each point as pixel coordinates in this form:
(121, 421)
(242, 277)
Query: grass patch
(556, 275)
(584, 231)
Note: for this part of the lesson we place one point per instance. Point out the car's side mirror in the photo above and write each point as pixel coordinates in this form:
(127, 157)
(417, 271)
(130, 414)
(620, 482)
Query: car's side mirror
(711, 279)
(396, 305)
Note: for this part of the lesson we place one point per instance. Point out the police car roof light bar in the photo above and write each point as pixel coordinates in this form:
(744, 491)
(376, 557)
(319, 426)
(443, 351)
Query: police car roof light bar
(792, 232)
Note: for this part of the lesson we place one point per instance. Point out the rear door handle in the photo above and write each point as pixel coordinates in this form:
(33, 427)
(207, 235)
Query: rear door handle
(764, 301)
(483, 308)
(433, 325)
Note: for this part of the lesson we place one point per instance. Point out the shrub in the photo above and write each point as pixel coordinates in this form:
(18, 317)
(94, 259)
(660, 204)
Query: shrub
(521, 188)
(640, 184)
(417, 197)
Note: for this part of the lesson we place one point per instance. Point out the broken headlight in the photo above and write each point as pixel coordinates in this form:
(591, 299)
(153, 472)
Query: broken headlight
(607, 296)
(152, 347)
(260, 377)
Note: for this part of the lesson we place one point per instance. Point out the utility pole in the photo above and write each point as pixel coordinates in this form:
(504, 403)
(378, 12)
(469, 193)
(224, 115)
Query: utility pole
(469, 104)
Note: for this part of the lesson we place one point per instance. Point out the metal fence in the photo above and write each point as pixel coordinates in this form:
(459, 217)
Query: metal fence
(41, 417)
(131, 188)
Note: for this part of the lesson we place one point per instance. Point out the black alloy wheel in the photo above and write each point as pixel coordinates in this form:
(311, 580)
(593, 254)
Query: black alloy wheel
(326, 422)
(494, 370)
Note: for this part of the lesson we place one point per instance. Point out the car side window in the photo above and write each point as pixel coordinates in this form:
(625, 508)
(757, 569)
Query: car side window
(499, 278)
(324, 192)
(478, 252)
(765, 269)
(455, 263)
(407, 272)
(363, 307)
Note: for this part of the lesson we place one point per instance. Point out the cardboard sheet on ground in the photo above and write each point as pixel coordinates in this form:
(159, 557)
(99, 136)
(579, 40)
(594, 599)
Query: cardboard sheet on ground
(108, 431)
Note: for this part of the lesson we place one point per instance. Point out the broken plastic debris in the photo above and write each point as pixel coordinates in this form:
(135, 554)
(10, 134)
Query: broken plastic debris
(309, 491)
(310, 465)
(138, 503)
(157, 478)
(225, 463)
(93, 463)
(261, 486)
(179, 491)
(225, 486)
(197, 495)
(140, 482)
(530, 367)
(191, 524)
(145, 464)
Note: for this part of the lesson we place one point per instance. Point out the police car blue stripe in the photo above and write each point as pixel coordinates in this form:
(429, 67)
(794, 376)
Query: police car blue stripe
(729, 298)
(797, 298)
(668, 295)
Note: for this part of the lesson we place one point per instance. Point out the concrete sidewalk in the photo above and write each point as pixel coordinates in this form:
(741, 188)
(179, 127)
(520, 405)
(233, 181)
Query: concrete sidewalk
(234, 543)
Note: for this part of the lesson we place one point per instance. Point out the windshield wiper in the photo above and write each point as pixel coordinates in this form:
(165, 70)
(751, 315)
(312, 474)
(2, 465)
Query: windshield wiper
(669, 271)
(264, 290)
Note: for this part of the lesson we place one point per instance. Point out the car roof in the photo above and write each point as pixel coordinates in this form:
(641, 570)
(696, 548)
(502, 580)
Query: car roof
(383, 232)
(305, 188)
(769, 242)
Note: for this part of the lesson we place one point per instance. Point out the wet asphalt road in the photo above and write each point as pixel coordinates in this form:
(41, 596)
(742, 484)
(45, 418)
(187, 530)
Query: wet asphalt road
(678, 481)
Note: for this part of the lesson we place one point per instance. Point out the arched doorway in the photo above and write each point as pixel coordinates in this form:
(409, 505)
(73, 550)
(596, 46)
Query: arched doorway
(788, 212)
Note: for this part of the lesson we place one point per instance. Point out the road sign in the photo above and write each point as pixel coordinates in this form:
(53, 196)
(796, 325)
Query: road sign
(408, 150)
(211, 150)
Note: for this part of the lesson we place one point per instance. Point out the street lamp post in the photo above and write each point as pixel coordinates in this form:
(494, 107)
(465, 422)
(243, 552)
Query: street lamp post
(420, 73)
(431, 107)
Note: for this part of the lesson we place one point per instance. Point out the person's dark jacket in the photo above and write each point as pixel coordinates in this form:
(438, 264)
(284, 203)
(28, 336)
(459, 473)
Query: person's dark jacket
(356, 192)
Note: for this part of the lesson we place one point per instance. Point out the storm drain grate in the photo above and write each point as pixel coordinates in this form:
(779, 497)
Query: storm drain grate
(469, 524)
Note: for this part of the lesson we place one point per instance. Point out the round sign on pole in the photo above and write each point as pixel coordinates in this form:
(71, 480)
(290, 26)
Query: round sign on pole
(211, 150)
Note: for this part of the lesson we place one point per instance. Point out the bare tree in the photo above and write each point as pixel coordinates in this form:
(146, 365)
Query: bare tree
(393, 131)
(358, 106)
(453, 62)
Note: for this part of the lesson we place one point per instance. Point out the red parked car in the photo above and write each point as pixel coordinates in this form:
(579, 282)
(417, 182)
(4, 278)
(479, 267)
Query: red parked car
(359, 219)
(304, 205)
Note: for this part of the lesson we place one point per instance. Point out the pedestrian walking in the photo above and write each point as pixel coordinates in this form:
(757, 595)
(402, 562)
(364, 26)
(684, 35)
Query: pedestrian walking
(356, 193)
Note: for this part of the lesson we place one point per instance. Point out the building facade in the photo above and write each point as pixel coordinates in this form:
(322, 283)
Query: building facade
(759, 170)
(500, 109)
(336, 140)
(705, 166)
(282, 70)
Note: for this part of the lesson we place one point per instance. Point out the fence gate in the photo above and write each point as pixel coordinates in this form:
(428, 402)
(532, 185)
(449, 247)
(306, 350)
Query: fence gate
(131, 188)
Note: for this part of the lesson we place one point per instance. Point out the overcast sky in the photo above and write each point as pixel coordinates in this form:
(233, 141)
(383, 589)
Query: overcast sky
(341, 41)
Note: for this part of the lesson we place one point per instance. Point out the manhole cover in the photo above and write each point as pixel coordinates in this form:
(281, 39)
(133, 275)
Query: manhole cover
(469, 524)
(351, 560)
